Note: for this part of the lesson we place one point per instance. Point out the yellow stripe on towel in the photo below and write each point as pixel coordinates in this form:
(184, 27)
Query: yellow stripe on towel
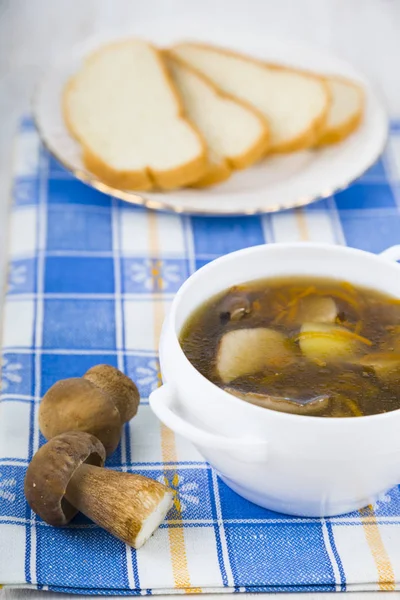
(386, 579)
(180, 567)
(302, 226)
(176, 534)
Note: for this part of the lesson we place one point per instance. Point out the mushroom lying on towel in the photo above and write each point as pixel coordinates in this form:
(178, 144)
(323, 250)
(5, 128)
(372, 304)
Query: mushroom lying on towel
(66, 475)
(281, 404)
(99, 403)
(120, 388)
(245, 351)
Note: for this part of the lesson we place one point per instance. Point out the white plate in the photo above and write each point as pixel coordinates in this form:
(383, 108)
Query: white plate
(277, 183)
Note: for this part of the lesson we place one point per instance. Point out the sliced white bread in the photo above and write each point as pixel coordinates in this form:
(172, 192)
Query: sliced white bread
(294, 103)
(236, 136)
(345, 112)
(123, 109)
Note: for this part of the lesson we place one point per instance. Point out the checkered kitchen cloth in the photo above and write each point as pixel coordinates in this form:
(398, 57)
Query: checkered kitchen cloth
(90, 279)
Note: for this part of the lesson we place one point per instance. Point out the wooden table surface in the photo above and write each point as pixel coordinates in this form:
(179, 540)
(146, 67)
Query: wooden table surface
(365, 32)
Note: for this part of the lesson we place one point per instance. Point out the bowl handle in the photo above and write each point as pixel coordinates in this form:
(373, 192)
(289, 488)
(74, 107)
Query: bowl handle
(245, 448)
(392, 253)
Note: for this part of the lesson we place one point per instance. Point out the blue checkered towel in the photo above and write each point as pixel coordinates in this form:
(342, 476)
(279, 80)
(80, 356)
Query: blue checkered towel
(90, 279)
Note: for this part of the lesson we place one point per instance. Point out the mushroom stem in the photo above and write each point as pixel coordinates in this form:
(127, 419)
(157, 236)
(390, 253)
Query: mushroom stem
(128, 506)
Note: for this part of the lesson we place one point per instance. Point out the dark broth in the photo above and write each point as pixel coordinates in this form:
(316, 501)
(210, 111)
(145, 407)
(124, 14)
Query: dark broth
(308, 346)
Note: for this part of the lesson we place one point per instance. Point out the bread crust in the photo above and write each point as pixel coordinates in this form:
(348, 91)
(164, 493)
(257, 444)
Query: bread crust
(308, 137)
(217, 173)
(222, 171)
(147, 178)
(333, 135)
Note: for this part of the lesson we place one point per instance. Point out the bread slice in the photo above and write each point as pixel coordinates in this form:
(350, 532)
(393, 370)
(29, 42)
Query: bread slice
(123, 109)
(345, 112)
(295, 103)
(236, 136)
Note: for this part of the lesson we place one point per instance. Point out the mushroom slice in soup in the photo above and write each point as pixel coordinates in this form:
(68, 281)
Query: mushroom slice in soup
(391, 343)
(245, 351)
(329, 343)
(313, 406)
(385, 364)
(234, 306)
(317, 309)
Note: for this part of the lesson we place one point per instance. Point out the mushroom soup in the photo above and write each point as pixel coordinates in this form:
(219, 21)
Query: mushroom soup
(306, 346)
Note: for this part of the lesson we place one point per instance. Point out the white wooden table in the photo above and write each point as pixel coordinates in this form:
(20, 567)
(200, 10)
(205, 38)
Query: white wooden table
(365, 32)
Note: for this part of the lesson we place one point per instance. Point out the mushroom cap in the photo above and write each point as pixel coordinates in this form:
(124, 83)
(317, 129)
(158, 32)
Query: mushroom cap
(78, 405)
(235, 305)
(51, 469)
(118, 386)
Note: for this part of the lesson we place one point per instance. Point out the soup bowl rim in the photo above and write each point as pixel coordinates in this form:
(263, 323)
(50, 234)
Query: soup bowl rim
(169, 328)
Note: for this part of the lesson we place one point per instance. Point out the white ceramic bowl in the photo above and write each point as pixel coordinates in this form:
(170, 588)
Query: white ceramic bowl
(305, 466)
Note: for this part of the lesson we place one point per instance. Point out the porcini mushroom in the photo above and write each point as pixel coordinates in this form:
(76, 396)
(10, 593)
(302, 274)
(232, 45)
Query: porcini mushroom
(99, 403)
(66, 475)
(78, 405)
(50, 472)
(245, 351)
(121, 389)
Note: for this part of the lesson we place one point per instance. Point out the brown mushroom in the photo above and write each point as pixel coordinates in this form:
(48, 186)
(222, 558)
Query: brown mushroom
(78, 405)
(99, 403)
(234, 306)
(66, 475)
(121, 389)
(51, 469)
(313, 406)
